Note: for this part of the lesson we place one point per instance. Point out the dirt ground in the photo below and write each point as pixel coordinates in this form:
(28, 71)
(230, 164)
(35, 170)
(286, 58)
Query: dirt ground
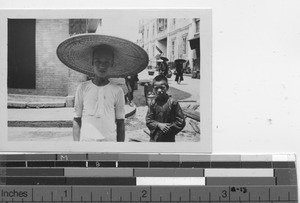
(135, 125)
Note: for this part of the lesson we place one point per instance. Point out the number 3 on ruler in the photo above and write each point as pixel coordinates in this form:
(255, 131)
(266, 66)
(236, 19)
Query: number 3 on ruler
(224, 193)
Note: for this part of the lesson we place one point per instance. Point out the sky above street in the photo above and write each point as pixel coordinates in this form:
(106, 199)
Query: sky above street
(123, 27)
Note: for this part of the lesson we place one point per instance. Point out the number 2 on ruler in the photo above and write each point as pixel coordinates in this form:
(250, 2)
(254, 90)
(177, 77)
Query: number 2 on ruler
(144, 193)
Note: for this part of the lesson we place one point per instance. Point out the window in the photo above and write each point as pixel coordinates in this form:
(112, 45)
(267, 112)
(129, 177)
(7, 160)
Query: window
(153, 28)
(174, 23)
(173, 48)
(162, 24)
(153, 50)
(197, 24)
(147, 32)
(77, 26)
(184, 40)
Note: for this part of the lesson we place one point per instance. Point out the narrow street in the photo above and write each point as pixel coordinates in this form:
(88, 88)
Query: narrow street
(187, 93)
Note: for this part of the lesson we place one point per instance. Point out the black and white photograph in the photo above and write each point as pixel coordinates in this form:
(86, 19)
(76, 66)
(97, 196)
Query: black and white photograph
(125, 78)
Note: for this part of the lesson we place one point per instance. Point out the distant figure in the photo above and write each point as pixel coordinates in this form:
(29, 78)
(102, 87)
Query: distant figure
(179, 70)
(163, 68)
(131, 83)
(164, 118)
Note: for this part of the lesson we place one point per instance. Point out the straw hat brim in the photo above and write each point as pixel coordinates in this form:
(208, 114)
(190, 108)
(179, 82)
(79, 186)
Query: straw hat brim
(76, 53)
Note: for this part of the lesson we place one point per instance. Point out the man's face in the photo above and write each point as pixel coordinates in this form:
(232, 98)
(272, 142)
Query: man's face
(160, 88)
(102, 61)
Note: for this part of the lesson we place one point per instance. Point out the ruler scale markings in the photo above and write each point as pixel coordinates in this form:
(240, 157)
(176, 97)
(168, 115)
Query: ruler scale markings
(249, 196)
(111, 197)
(131, 197)
(276, 192)
(71, 193)
(229, 193)
(150, 193)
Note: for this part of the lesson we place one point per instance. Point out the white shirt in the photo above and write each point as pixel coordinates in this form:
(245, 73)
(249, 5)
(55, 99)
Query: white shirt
(99, 107)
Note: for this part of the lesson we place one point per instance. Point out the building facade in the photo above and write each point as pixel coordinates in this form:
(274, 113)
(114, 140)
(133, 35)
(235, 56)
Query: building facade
(33, 66)
(173, 38)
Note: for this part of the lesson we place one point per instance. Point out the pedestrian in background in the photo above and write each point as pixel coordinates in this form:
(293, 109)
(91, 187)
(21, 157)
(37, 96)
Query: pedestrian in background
(179, 70)
(164, 69)
(131, 84)
(164, 118)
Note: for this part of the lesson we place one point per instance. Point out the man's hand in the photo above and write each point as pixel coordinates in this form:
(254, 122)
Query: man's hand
(165, 127)
(120, 130)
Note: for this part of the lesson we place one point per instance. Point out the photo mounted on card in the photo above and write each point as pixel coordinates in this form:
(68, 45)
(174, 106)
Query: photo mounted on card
(106, 80)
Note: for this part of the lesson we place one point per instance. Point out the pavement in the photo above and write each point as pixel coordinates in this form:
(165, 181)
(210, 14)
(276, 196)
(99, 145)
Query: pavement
(54, 124)
(35, 101)
(47, 117)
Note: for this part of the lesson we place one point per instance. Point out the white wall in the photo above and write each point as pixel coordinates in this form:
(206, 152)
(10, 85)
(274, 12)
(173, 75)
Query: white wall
(256, 70)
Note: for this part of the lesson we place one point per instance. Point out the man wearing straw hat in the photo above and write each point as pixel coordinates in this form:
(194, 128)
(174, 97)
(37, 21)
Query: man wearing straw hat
(99, 105)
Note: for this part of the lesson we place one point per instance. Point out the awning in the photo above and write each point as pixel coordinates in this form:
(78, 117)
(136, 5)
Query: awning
(195, 42)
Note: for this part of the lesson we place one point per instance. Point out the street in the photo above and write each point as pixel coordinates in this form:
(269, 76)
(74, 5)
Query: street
(187, 93)
(189, 89)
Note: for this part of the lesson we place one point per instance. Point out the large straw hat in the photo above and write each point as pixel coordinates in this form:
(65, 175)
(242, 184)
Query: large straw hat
(76, 53)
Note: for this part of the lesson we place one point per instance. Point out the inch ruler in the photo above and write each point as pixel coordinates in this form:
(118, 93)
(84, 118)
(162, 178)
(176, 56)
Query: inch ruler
(147, 178)
(149, 194)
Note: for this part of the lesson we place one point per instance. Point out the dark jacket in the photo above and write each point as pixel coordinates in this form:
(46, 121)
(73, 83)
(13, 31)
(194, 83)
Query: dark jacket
(164, 112)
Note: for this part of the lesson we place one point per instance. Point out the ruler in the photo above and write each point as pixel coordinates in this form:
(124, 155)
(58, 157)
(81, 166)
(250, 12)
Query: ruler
(147, 178)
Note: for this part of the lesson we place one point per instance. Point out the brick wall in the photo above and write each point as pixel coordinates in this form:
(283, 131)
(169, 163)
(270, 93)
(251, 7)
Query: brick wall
(52, 77)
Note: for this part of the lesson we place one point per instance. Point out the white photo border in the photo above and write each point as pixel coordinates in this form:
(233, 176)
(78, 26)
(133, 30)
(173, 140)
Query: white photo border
(205, 144)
